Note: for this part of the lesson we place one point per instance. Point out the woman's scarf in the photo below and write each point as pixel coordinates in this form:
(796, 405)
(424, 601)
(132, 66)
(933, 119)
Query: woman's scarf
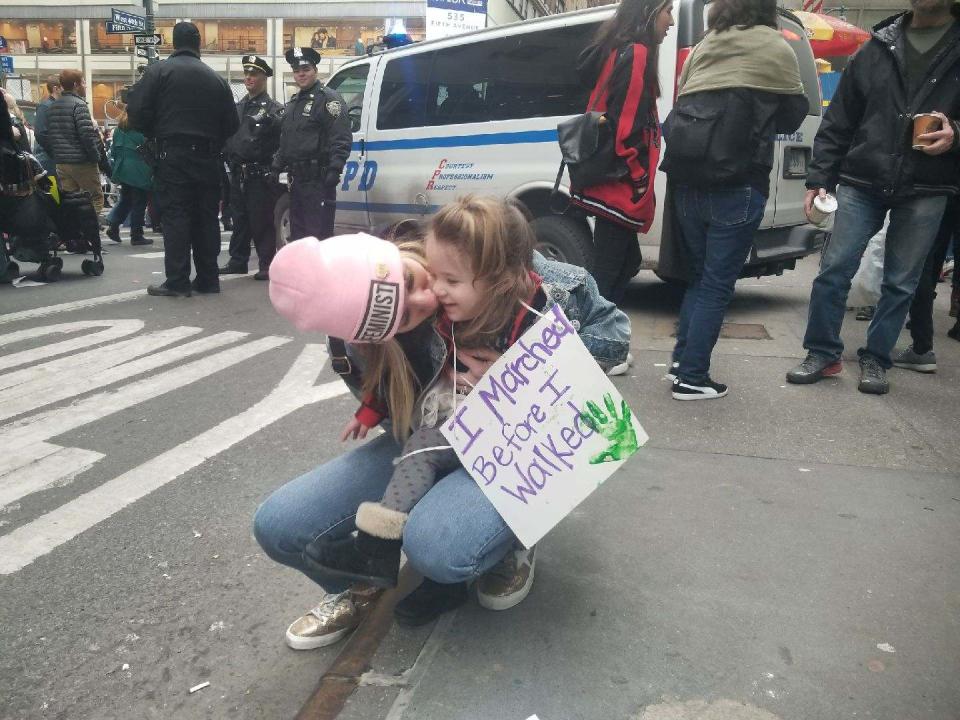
(757, 58)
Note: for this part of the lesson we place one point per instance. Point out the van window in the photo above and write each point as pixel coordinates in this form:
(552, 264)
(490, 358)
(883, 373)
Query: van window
(507, 78)
(403, 92)
(522, 76)
(351, 83)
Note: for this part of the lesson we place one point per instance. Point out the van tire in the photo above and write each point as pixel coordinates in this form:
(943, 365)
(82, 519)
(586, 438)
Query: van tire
(281, 220)
(565, 239)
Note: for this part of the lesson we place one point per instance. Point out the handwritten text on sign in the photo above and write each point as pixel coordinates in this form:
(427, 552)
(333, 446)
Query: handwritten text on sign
(543, 428)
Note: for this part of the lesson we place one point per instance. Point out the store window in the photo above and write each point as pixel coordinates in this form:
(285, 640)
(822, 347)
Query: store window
(233, 36)
(346, 37)
(101, 42)
(106, 94)
(39, 36)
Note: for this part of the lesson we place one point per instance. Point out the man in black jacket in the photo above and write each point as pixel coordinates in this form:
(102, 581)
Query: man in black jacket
(189, 110)
(253, 190)
(865, 150)
(73, 140)
(315, 143)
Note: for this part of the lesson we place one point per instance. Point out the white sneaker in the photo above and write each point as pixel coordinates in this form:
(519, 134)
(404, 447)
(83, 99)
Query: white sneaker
(509, 581)
(622, 368)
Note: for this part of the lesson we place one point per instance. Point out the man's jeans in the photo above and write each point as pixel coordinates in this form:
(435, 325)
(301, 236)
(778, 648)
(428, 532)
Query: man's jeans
(452, 534)
(910, 235)
(718, 226)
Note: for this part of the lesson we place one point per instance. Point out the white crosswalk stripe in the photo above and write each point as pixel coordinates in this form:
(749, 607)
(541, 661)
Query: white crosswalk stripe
(112, 366)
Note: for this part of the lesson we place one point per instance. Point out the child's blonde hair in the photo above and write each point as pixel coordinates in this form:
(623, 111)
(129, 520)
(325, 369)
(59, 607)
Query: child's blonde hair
(496, 238)
(498, 241)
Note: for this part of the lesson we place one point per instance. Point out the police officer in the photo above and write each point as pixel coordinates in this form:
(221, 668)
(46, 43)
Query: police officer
(190, 111)
(253, 192)
(314, 146)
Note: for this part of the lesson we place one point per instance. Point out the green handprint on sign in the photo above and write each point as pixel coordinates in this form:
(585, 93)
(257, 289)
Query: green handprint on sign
(618, 430)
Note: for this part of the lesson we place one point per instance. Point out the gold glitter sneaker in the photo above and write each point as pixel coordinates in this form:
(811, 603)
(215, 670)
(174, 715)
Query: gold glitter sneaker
(510, 580)
(335, 616)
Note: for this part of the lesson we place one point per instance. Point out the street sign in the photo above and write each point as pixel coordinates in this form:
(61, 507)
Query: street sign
(118, 29)
(147, 40)
(138, 22)
(141, 52)
(6, 64)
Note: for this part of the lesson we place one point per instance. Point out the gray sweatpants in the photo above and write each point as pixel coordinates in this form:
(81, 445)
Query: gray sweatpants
(415, 475)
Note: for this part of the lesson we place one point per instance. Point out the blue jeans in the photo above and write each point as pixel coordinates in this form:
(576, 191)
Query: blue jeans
(453, 534)
(913, 228)
(133, 202)
(718, 226)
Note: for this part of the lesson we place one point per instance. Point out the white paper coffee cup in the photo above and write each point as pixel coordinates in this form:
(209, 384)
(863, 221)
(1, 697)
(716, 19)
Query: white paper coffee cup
(822, 209)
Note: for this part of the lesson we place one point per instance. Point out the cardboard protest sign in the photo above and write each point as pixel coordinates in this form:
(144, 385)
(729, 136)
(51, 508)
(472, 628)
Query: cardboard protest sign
(543, 428)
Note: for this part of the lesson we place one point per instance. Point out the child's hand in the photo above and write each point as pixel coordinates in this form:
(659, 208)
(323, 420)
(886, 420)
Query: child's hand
(354, 430)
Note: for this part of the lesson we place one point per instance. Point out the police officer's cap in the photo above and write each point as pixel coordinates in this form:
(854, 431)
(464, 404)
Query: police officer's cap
(255, 62)
(299, 57)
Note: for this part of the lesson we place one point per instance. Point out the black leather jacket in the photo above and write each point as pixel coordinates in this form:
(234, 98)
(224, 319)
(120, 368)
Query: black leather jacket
(183, 97)
(258, 138)
(865, 137)
(315, 127)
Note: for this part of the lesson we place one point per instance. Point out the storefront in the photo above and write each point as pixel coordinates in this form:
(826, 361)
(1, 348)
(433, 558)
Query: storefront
(39, 36)
(347, 37)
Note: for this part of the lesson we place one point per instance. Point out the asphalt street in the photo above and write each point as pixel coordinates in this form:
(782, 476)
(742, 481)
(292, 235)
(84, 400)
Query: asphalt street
(783, 553)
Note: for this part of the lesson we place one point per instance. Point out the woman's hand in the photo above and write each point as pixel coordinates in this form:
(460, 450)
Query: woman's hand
(477, 361)
(354, 430)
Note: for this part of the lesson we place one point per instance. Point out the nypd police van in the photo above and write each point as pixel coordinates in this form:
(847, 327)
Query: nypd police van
(478, 112)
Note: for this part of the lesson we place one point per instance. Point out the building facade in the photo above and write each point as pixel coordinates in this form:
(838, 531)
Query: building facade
(45, 36)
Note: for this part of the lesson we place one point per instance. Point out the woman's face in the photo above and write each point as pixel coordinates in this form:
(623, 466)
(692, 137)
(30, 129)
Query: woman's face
(421, 303)
(663, 22)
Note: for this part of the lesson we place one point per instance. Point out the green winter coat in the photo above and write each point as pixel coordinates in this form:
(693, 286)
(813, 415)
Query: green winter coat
(128, 166)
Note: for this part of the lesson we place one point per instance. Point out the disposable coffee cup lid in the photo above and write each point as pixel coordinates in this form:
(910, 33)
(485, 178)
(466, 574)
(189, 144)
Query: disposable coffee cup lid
(826, 204)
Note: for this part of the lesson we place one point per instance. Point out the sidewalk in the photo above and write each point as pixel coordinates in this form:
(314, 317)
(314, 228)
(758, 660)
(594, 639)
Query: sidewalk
(786, 552)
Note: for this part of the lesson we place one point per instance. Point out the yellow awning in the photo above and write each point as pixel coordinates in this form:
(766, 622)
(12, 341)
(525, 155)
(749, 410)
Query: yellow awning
(817, 28)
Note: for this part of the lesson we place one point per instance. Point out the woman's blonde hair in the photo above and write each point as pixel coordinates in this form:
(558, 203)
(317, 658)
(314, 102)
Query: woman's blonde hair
(12, 106)
(123, 122)
(387, 373)
(496, 238)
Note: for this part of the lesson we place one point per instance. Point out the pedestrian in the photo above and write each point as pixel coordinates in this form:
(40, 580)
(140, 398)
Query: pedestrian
(919, 354)
(189, 110)
(739, 87)
(453, 535)
(864, 149)
(41, 127)
(621, 65)
(315, 143)
(135, 178)
(74, 141)
(254, 190)
(18, 123)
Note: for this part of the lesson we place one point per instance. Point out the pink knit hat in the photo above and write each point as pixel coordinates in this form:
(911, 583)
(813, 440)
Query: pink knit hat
(350, 286)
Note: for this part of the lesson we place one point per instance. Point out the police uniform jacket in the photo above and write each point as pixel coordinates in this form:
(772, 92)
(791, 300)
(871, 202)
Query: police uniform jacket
(315, 127)
(182, 97)
(258, 138)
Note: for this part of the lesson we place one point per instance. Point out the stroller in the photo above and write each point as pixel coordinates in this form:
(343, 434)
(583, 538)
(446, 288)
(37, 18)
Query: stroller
(37, 219)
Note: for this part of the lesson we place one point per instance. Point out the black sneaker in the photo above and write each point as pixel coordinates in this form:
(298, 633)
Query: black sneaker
(813, 368)
(706, 390)
(205, 289)
(365, 559)
(164, 291)
(428, 602)
(113, 232)
(262, 275)
(231, 269)
(873, 377)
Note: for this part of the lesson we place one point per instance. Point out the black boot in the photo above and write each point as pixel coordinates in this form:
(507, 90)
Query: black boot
(113, 232)
(137, 238)
(364, 559)
(428, 602)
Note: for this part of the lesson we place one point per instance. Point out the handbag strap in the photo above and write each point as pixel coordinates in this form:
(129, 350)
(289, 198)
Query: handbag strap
(555, 208)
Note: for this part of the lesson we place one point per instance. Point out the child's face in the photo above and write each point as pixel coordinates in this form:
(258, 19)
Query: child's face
(459, 292)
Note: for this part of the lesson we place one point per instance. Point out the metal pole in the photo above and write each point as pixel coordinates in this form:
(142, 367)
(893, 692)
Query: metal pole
(151, 49)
